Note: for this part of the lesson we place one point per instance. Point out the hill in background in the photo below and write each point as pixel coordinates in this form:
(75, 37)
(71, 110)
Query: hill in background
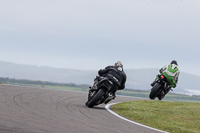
(139, 79)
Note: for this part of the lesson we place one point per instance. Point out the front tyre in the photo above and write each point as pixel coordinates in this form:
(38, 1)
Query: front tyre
(154, 91)
(96, 98)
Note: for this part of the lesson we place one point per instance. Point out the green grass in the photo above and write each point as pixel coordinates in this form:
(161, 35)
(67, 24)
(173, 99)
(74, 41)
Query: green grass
(169, 97)
(174, 117)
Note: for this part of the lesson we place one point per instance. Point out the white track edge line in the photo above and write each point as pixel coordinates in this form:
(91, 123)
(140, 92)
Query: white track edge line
(119, 116)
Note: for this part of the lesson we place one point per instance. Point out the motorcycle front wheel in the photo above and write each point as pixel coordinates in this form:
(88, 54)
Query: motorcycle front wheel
(96, 98)
(154, 91)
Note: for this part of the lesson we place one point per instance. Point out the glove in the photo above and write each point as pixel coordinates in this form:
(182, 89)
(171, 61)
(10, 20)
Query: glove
(175, 86)
(160, 70)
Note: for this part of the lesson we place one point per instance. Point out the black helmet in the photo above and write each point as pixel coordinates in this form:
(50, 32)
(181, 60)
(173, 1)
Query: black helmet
(174, 62)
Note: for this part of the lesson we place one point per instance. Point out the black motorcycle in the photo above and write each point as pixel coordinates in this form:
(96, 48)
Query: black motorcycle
(104, 93)
(160, 88)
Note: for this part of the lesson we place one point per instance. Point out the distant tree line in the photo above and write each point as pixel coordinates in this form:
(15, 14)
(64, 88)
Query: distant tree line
(126, 92)
(38, 82)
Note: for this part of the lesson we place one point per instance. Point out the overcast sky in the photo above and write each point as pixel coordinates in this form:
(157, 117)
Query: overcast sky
(91, 34)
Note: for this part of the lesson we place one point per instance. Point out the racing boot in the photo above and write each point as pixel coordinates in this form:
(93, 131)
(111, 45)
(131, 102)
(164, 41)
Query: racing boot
(167, 89)
(111, 97)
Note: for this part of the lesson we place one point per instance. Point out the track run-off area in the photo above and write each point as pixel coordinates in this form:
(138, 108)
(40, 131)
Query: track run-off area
(39, 110)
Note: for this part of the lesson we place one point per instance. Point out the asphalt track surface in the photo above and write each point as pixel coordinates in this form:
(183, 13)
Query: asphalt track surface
(37, 110)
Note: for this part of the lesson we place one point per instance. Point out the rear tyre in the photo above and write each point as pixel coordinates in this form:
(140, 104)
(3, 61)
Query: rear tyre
(96, 98)
(154, 91)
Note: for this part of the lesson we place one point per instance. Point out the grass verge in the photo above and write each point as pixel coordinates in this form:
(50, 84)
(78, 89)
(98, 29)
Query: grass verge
(174, 117)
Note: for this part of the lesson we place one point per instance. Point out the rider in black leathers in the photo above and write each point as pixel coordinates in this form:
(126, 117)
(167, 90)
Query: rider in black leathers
(115, 73)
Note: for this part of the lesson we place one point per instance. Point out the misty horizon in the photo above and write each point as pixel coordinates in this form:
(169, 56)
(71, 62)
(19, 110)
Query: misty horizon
(90, 35)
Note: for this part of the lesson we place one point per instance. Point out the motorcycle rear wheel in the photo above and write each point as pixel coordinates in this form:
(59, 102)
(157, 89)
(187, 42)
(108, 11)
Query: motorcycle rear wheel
(96, 98)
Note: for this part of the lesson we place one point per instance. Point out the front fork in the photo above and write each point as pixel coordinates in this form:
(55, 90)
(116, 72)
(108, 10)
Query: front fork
(91, 93)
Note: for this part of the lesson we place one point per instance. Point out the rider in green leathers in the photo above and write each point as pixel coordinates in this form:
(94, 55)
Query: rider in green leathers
(171, 72)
